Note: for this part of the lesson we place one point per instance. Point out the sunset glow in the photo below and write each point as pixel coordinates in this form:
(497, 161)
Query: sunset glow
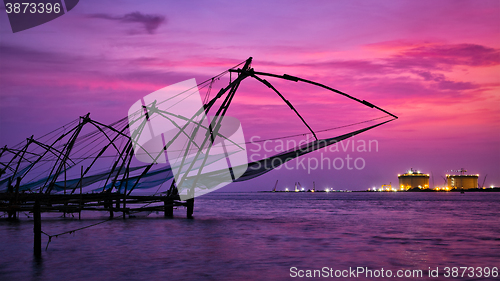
(434, 64)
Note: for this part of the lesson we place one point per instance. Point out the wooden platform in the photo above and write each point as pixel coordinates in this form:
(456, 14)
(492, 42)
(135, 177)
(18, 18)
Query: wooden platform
(76, 203)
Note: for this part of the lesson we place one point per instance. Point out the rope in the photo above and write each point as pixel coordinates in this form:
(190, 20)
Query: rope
(320, 131)
(74, 230)
(207, 96)
(84, 227)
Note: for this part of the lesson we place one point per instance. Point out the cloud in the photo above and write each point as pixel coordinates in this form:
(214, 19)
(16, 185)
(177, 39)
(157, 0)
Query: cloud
(430, 76)
(418, 70)
(358, 66)
(445, 84)
(446, 55)
(150, 22)
(26, 55)
(62, 72)
(404, 57)
(457, 86)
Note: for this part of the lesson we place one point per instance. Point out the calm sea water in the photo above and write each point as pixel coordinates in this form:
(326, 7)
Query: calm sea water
(260, 236)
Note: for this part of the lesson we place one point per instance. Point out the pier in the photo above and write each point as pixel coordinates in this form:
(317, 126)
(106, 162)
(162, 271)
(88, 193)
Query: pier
(103, 202)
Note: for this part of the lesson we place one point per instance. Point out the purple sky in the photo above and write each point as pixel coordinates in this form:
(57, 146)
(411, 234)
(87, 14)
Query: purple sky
(434, 64)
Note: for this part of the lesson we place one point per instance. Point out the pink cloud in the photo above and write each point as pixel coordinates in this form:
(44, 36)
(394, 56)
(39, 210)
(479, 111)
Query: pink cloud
(436, 56)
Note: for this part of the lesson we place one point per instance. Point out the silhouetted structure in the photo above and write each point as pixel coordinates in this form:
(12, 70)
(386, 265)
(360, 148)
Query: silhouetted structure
(87, 165)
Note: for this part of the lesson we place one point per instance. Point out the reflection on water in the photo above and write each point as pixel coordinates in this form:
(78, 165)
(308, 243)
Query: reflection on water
(259, 236)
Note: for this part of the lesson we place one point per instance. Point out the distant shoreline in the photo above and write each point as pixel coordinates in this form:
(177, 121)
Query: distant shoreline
(495, 189)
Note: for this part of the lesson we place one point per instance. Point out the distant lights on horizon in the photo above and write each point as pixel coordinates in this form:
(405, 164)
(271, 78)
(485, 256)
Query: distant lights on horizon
(413, 173)
(402, 187)
(451, 176)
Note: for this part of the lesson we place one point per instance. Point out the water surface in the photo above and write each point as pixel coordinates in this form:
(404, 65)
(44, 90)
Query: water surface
(260, 236)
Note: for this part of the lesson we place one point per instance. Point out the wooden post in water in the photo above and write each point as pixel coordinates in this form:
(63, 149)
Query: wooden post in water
(10, 190)
(168, 206)
(110, 203)
(124, 206)
(125, 193)
(14, 214)
(109, 200)
(37, 229)
(117, 199)
(65, 204)
(81, 198)
(190, 208)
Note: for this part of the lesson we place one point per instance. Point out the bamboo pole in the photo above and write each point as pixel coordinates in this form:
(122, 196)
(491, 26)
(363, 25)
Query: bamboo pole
(190, 208)
(168, 208)
(37, 230)
(65, 204)
(81, 195)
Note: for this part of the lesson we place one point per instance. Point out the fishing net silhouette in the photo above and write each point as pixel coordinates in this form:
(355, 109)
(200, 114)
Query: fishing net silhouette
(87, 156)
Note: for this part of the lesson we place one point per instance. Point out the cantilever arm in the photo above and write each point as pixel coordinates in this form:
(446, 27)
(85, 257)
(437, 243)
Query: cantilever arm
(293, 78)
(296, 79)
(265, 82)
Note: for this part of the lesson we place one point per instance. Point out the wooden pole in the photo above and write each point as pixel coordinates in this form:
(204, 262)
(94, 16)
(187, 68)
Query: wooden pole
(190, 208)
(18, 182)
(118, 199)
(109, 199)
(81, 198)
(168, 208)
(65, 204)
(37, 230)
(125, 192)
(10, 189)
